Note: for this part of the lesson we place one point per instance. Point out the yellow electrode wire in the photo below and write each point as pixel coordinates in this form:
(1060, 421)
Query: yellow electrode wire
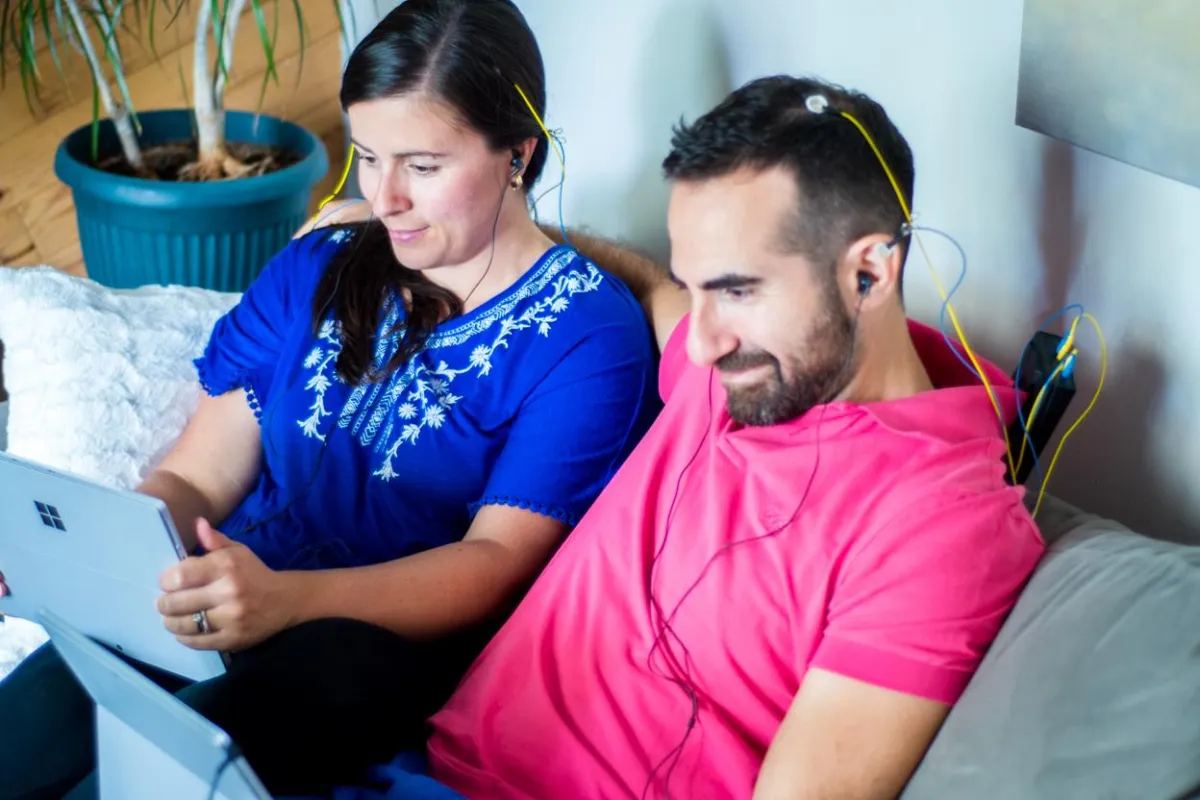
(550, 137)
(1099, 385)
(942, 290)
(341, 181)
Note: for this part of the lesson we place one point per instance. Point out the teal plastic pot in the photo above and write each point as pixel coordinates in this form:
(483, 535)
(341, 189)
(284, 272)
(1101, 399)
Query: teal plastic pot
(218, 235)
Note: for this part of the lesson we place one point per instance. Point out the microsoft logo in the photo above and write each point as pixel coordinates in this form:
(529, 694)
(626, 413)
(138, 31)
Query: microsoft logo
(50, 516)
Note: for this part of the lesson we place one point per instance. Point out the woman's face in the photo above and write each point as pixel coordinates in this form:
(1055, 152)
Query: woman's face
(433, 182)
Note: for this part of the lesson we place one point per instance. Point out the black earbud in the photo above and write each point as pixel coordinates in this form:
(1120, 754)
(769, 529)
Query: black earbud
(865, 281)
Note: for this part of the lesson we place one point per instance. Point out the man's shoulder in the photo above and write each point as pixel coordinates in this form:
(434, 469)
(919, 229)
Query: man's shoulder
(954, 500)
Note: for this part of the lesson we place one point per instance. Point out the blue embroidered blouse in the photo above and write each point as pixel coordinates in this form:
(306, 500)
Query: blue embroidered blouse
(532, 400)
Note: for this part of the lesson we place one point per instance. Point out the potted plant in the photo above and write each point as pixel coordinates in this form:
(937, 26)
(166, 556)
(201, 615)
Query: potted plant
(198, 196)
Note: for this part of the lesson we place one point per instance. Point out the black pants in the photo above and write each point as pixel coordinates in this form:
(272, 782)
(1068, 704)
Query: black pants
(310, 708)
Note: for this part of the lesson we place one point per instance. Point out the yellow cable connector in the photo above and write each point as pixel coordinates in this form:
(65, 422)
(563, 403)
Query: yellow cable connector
(1099, 385)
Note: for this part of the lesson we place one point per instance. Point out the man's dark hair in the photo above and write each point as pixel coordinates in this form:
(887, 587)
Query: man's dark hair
(844, 192)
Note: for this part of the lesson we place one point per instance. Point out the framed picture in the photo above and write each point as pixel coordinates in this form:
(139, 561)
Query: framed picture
(1118, 77)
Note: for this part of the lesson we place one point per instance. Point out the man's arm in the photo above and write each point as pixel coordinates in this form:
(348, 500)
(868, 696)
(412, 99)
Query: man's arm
(918, 602)
(844, 739)
(664, 302)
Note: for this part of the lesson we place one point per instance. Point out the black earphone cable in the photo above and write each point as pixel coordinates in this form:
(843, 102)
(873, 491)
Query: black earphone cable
(231, 754)
(334, 424)
(682, 675)
(492, 255)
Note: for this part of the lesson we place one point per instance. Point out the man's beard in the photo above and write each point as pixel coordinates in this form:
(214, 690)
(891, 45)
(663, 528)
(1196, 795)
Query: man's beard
(818, 373)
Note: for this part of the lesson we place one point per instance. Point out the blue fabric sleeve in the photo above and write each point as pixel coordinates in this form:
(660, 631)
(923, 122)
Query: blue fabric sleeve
(246, 343)
(575, 429)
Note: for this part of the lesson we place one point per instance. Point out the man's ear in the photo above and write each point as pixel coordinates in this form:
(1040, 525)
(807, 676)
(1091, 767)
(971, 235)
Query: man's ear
(871, 269)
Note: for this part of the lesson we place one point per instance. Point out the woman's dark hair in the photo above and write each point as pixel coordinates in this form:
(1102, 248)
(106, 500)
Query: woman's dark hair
(471, 55)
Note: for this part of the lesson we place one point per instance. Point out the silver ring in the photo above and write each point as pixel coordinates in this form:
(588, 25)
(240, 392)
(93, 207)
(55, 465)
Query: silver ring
(201, 622)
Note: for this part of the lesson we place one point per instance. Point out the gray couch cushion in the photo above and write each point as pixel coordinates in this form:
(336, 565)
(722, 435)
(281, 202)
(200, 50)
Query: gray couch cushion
(1092, 688)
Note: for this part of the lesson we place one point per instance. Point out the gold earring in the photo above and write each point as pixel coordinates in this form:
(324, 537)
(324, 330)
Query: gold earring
(517, 182)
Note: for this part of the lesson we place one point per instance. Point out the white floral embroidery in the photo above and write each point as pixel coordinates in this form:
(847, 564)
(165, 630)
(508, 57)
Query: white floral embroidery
(420, 397)
(321, 359)
(340, 236)
(579, 280)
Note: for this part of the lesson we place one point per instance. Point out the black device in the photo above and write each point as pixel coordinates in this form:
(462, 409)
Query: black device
(1038, 363)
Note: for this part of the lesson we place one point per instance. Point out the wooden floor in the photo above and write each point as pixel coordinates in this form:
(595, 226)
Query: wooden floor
(37, 218)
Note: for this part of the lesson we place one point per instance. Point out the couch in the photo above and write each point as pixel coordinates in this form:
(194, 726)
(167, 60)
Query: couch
(1091, 691)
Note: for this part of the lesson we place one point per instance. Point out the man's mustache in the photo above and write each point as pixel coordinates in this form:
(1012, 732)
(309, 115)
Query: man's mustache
(738, 361)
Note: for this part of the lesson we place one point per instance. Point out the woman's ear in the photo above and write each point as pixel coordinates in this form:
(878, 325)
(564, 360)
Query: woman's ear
(527, 149)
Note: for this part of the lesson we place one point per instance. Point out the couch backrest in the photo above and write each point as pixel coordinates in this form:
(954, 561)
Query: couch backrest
(1092, 688)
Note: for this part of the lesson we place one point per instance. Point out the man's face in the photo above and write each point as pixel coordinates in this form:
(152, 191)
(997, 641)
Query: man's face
(774, 325)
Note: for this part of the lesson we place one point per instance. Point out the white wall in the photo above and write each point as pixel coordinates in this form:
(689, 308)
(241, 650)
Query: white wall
(359, 16)
(1043, 223)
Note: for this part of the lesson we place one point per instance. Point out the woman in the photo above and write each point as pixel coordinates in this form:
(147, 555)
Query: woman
(404, 418)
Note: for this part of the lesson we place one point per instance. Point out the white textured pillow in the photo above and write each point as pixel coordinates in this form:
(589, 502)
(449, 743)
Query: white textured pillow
(100, 380)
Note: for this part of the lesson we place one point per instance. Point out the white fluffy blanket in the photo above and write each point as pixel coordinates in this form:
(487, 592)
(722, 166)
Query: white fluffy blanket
(100, 381)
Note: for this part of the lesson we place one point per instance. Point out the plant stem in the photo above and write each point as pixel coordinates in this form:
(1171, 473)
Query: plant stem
(209, 82)
(232, 16)
(116, 111)
(210, 124)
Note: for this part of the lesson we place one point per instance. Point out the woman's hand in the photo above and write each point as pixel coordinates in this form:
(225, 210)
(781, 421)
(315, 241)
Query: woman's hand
(243, 601)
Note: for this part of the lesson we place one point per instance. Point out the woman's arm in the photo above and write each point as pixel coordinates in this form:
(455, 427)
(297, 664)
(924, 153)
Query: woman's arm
(427, 595)
(212, 466)
(439, 591)
(571, 433)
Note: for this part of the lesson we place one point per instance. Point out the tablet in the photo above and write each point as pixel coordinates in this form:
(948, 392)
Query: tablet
(92, 555)
(150, 744)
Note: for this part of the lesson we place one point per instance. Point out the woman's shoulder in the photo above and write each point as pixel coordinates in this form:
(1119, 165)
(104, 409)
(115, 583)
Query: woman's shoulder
(604, 307)
(311, 253)
(574, 289)
(292, 276)
(559, 301)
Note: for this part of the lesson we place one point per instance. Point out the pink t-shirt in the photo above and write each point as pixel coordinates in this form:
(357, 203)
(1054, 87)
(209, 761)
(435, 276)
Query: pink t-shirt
(878, 541)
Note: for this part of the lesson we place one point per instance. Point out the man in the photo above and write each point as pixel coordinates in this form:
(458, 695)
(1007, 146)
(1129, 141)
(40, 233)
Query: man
(789, 583)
